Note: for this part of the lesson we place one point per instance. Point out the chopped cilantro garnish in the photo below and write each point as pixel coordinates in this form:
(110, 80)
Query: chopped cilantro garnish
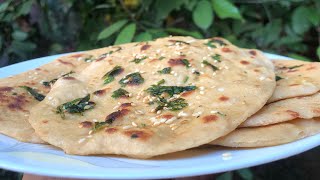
(161, 57)
(293, 67)
(133, 78)
(185, 62)
(34, 93)
(98, 125)
(186, 79)
(166, 70)
(216, 57)
(51, 82)
(220, 42)
(109, 53)
(214, 68)
(138, 60)
(278, 78)
(162, 81)
(173, 105)
(210, 43)
(120, 93)
(109, 76)
(157, 90)
(78, 105)
(179, 42)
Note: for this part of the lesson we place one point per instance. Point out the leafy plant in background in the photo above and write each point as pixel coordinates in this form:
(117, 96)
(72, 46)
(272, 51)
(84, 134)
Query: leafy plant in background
(33, 28)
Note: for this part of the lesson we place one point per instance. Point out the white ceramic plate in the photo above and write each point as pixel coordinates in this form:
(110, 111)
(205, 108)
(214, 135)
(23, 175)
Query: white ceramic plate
(49, 161)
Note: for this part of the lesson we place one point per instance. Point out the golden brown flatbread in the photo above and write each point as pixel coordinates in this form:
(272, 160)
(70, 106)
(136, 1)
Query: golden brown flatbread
(271, 135)
(295, 78)
(16, 101)
(154, 98)
(305, 107)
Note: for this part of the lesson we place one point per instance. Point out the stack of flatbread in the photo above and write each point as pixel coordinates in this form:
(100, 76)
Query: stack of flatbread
(157, 97)
(291, 113)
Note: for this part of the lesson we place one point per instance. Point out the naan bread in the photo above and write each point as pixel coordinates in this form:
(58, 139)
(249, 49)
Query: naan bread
(305, 107)
(271, 135)
(16, 102)
(212, 87)
(299, 79)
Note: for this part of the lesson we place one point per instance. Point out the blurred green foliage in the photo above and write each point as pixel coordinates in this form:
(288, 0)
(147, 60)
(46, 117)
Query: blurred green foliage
(34, 28)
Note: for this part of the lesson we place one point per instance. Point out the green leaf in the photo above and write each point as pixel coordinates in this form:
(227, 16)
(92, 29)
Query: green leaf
(4, 6)
(183, 32)
(164, 7)
(23, 46)
(318, 52)
(126, 35)
(111, 29)
(1, 42)
(202, 15)
(225, 9)
(158, 33)
(246, 174)
(299, 57)
(300, 23)
(313, 16)
(225, 176)
(144, 36)
(25, 8)
(19, 35)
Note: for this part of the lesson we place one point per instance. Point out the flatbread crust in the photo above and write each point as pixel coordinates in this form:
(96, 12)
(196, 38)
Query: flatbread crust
(305, 107)
(271, 135)
(236, 87)
(300, 78)
(16, 102)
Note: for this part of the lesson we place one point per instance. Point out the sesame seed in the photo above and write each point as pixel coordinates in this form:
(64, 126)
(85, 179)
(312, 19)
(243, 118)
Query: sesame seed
(171, 125)
(220, 89)
(139, 112)
(116, 107)
(213, 112)
(201, 92)
(202, 65)
(156, 123)
(159, 112)
(89, 136)
(262, 78)
(90, 132)
(201, 88)
(197, 114)
(174, 128)
(182, 114)
(81, 140)
(50, 98)
(134, 124)
(204, 58)
(127, 127)
(169, 121)
(94, 120)
(175, 74)
(162, 120)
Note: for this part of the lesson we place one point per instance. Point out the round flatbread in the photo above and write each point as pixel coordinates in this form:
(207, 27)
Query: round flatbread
(154, 98)
(271, 135)
(16, 99)
(305, 107)
(295, 78)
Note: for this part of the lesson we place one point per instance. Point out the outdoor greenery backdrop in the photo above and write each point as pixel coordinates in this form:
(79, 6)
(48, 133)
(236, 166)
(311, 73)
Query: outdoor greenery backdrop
(36, 28)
